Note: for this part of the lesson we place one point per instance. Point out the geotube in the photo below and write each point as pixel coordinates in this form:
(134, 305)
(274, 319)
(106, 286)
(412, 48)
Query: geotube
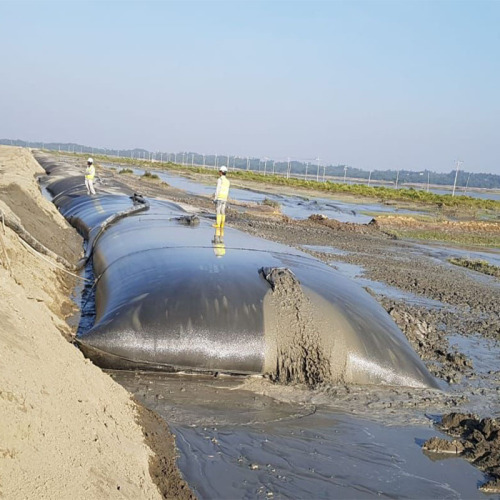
(174, 296)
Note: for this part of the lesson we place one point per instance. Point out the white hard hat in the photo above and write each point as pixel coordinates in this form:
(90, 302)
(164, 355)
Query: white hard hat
(223, 168)
(90, 160)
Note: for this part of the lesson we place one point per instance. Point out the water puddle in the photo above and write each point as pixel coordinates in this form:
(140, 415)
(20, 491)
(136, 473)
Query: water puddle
(324, 455)
(295, 207)
(237, 442)
(492, 256)
(484, 353)
(482, 388)
(355, 273)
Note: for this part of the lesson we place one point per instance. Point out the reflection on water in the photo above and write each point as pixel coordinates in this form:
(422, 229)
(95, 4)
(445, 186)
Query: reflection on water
(218, 242)
(324, 455)
(295, 207)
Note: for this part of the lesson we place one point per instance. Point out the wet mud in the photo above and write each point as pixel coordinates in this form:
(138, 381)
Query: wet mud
(251, 438)
(476, 440)
(456, 333)
(162, 465)
(301, 356)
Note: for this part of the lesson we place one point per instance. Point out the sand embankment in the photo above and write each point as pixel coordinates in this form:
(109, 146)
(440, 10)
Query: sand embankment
(66, 429)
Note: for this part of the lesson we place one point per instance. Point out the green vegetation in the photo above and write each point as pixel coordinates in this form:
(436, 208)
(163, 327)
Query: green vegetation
(478, 265)
(148, 175)
(271, 203)
(380, 193)
(125, 171)
(458, 238)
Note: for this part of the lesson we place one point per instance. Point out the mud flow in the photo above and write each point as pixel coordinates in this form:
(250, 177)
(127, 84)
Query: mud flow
(301, 356)
(244, 437)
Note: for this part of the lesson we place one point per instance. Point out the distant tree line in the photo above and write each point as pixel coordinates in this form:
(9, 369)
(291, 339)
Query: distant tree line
(309, 170)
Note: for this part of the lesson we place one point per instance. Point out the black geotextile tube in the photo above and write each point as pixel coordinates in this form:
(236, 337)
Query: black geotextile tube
(140, 204)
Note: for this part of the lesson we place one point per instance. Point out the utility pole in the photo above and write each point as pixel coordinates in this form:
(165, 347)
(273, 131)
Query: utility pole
(307, 166)
(288, 169)
(370, 177)
(324, 171)
(248, 162)
(428, 177)
(317, 170)
(467, 185)
(345, 173)
(274, 163)
(192, 159)
(265, 164)
(456, 176)
(397, 178)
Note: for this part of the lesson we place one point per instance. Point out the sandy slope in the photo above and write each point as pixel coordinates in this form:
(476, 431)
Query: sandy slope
(66, 429)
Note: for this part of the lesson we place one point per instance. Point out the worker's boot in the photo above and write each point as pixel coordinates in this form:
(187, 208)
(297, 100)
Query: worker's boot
(218, 223)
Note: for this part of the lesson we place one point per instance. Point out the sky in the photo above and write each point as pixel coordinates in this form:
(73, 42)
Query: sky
(370, 84)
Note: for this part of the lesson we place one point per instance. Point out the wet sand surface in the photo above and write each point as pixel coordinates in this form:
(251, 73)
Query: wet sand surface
(249, 438)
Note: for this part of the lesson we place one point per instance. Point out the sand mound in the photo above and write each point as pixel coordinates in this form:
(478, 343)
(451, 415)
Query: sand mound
(66, 429)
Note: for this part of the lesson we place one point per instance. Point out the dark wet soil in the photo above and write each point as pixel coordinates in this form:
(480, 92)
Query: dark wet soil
(162, 465)
(477, 440)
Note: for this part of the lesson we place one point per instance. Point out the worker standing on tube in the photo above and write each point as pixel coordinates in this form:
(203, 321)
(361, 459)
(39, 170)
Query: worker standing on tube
(89, 176)
(220, 198)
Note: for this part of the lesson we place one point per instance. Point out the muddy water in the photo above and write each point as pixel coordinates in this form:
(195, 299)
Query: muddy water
(295, 207)
(491, 255)
(356, 273)
(238, 443)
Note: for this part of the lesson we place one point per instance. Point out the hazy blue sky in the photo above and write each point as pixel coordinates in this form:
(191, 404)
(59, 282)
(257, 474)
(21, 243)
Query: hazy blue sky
(371, 84)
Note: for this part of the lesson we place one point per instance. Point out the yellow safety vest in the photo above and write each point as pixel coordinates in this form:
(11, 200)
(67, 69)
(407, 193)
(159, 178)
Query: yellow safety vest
(90, 172)
(222, 188)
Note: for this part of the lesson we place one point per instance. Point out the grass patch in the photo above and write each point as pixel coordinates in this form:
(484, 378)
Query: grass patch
(148, 175)
(125, 171)
(458, 238)
(478, 265)
(271, 203)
